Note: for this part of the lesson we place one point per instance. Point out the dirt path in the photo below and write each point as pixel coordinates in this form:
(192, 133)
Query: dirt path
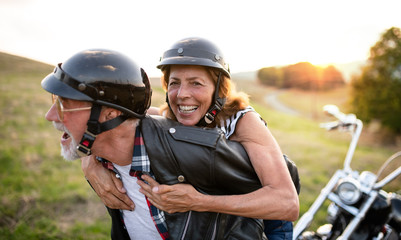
(274, 102)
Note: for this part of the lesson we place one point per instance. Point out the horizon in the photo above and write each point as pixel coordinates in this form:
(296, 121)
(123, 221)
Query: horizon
(347, 69)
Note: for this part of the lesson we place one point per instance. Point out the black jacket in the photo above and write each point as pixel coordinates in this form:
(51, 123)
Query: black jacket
(209, 162)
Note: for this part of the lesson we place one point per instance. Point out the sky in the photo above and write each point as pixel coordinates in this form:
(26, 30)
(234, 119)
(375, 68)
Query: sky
(252, 34)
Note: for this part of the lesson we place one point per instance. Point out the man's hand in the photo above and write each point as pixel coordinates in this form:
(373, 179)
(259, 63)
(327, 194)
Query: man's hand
(109, 188)
(170, 198)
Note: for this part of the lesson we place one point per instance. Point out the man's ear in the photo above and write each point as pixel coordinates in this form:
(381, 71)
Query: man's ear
(108, 114)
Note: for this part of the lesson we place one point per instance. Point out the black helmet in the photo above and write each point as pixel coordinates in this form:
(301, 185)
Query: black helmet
(201, 52)
(104, 77)
(195, 51)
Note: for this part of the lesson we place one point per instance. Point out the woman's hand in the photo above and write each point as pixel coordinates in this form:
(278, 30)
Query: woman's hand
(109, 188)
(170, 198)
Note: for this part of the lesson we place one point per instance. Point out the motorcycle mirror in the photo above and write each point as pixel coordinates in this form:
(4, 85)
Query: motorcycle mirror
(331, 110)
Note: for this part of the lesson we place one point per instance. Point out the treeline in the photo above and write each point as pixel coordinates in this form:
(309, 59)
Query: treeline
(303, 75)
(376, 93)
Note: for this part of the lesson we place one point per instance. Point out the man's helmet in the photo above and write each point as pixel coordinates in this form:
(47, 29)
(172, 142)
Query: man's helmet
(195, 51)
(103, 77)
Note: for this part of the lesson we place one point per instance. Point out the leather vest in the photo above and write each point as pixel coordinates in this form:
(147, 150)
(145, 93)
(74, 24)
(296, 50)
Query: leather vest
(210, 163)
(203, 158)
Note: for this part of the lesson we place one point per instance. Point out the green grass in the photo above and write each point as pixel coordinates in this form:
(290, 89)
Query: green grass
(44, 197)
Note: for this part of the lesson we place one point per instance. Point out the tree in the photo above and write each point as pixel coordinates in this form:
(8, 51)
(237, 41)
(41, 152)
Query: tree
(270, 76)
(301, 75)
(331, 78)
(376, 93)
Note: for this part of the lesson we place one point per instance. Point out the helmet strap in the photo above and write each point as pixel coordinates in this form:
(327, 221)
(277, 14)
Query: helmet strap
(94, 128)
(215, 108)
(168, 102)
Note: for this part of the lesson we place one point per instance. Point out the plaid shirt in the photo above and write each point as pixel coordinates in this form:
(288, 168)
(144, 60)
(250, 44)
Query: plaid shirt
(140, 165)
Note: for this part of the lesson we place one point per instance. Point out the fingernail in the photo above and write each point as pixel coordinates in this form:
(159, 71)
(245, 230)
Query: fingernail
(155, 189)
(132, 207)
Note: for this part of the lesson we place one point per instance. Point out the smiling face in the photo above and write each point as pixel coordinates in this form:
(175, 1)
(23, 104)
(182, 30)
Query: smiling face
(190, 93)
(73, 126)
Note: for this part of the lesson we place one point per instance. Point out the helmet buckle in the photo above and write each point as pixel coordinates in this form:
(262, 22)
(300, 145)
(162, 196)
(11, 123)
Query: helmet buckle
(209, 118)
(84, 147)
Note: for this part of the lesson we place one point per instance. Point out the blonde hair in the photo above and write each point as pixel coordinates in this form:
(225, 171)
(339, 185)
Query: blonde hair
(235, 101)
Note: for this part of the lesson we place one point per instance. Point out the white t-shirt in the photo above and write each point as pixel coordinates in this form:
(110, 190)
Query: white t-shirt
(139, 222)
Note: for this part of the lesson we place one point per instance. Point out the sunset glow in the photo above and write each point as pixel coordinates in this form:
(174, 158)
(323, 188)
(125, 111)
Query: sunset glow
(258, 34)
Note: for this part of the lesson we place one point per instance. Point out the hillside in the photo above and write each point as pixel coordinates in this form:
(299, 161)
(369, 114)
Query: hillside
(12, 64)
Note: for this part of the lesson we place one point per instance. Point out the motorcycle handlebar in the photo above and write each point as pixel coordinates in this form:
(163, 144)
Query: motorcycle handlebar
(330, 125)
(346, 122)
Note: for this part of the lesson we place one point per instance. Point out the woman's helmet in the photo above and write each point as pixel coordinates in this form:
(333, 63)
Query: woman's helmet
(200, 52)
(104, 78)
(195, 51)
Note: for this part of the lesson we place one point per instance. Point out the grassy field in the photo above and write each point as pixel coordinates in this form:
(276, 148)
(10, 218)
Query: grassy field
(44, 197)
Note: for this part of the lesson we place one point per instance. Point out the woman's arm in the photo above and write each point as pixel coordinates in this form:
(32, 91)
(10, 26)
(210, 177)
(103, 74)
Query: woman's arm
(277, 199)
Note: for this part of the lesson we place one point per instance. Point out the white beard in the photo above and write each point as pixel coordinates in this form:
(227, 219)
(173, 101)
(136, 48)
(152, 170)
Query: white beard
(69, 152)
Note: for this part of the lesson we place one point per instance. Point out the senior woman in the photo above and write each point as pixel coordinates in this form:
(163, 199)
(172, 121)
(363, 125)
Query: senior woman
(199, 92)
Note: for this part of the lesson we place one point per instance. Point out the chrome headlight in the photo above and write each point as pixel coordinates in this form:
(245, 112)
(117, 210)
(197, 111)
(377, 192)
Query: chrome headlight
(349, 191)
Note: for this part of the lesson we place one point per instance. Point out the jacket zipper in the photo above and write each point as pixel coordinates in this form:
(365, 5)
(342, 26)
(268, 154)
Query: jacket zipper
(186, 225)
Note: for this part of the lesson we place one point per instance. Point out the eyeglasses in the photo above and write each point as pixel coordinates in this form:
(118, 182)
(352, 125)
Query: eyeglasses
(60, 108)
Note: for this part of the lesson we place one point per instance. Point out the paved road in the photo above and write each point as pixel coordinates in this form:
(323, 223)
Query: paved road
(273, 101)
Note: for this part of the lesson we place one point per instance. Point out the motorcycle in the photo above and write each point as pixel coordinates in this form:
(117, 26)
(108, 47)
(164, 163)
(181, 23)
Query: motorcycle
(358, 206)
